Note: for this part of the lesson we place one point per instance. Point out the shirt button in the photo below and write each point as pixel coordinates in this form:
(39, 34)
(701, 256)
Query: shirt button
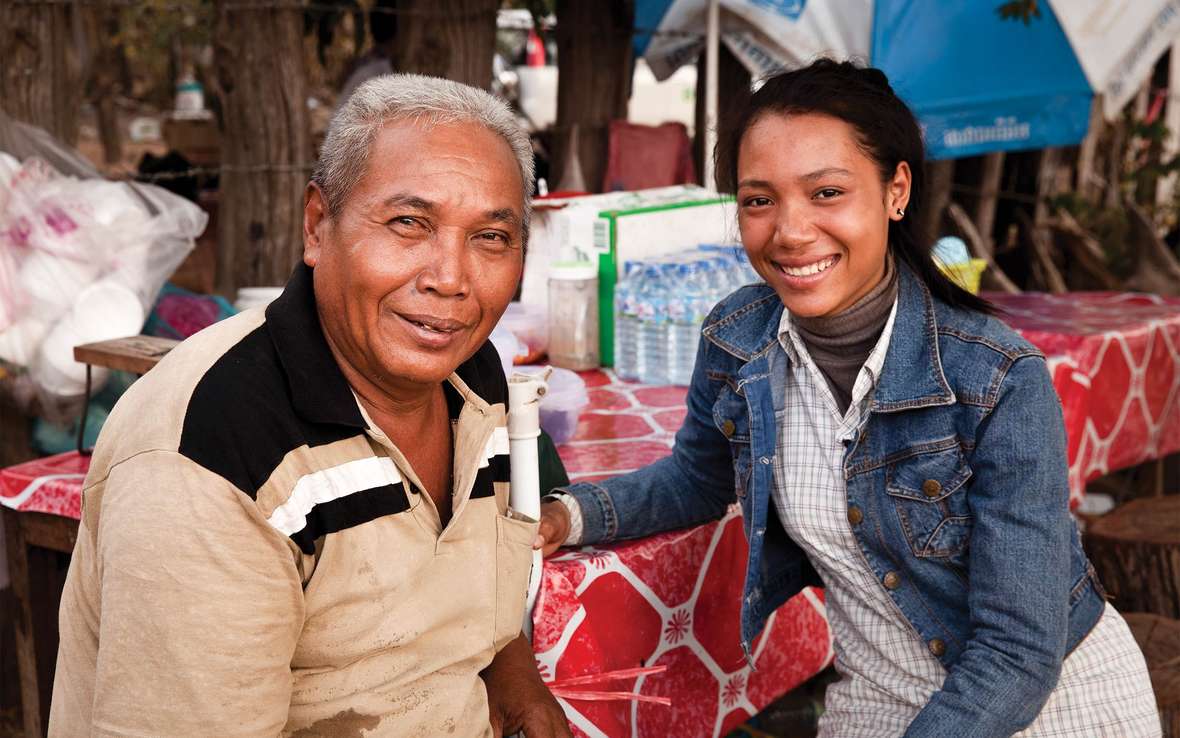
(937, 647)
(855, 515)
(892, 580)
(931, 488)
(727, 428)
(765, 460)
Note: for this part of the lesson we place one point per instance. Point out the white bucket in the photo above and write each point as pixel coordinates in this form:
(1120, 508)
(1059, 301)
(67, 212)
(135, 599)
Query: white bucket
(102, 311)
(249, 297)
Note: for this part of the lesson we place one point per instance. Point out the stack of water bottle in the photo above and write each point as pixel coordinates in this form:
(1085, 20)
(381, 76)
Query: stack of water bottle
(660, 305)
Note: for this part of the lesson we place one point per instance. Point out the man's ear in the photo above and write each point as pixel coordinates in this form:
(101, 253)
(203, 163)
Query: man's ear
(315, 220)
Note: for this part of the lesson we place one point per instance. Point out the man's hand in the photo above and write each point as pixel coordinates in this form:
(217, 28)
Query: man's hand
(518, 699)
(554, 529)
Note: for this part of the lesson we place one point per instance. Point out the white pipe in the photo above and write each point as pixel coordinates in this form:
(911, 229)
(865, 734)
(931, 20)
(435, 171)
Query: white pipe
(524, 427)
(712, 49)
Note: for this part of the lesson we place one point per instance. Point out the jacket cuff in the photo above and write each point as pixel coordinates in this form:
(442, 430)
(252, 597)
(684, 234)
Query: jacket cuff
(599, 522)
(574, 537)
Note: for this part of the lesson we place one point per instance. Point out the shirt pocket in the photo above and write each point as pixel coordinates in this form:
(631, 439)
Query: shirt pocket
(514, 562)
(732, 420)
(929, 493)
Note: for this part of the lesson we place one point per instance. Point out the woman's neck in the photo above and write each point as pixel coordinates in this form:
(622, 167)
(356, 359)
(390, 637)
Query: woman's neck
(840, 344)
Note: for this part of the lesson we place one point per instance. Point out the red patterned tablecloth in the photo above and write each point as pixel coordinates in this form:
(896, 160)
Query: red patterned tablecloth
(1115, 361)
(672, 600)
(669, 600)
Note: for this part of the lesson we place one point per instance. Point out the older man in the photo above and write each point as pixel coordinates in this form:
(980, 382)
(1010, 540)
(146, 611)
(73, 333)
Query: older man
(297, 523)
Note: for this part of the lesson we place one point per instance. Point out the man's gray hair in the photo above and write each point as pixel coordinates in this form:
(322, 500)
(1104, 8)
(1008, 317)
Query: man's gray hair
(428, 100)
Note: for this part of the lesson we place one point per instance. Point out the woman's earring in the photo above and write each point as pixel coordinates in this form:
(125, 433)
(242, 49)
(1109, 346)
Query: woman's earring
(900, 213)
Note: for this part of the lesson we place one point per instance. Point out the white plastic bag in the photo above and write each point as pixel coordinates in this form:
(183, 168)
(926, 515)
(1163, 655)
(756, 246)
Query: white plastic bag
(81, 259)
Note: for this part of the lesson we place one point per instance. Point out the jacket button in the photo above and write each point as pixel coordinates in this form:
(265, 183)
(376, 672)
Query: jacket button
(937, 647)
(727, 428)
(892, 580)
(855, 515)
(931, 488)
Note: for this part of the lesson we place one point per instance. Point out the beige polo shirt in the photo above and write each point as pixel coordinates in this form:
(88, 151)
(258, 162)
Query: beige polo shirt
(255, 556)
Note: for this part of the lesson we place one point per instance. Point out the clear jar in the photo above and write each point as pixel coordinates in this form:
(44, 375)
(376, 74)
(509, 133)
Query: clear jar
(573, 315)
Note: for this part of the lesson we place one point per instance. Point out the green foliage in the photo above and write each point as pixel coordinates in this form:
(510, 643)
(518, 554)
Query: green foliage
(1022, 10)
(153, 33)
(1109, 225)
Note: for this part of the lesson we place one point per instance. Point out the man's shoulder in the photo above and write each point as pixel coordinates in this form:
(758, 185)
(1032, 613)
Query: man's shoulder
(151, 414)
(219, 399)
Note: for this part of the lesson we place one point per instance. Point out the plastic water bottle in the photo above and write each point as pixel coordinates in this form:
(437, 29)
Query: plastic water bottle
(651, 344)
(627, 320)
(719, 279)
(687, 307)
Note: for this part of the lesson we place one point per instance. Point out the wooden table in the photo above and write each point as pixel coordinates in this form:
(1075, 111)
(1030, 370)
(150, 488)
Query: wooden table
(38, 547)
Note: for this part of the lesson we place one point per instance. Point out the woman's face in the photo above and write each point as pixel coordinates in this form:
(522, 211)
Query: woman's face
(813, 211)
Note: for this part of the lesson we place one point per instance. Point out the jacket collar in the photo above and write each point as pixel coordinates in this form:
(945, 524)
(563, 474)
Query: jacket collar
(319, 391)
(912, 376)
(751, 326)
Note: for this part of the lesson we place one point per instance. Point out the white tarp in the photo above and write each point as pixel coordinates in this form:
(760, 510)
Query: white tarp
(1118, 42)
(766, 35)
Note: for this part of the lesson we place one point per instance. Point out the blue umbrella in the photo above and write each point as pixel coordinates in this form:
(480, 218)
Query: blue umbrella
(980, 80)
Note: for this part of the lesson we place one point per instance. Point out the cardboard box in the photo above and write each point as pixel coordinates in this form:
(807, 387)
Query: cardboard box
(618, 227)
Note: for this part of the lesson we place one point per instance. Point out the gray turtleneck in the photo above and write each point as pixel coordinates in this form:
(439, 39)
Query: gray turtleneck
(840, 344)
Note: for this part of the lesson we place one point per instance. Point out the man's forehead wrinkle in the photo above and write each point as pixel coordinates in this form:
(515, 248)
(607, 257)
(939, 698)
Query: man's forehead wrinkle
(409, 200)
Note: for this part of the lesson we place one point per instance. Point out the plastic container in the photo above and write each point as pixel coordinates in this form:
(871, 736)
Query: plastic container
(966, 274)
(250, 297)
(506, 346)
(530, 325)
(573, 315)
(626, 321)
(562, 404)
(102, 311)
(651, 344)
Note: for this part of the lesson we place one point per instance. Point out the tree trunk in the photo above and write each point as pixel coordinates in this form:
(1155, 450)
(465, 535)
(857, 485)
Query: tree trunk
(594, 63)
(1159, 639)
(454, 39)
(266, 152)
(1088, 183)
(989, 195)
(1043, 267)
(733, 88)
(1136, 551)
(40, 73)
(940, 175)
(105, 56)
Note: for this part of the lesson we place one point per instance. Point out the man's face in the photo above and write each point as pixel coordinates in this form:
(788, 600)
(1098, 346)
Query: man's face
(424, 256)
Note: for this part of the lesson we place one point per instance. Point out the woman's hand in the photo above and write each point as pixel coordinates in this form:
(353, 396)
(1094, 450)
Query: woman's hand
(554, 529)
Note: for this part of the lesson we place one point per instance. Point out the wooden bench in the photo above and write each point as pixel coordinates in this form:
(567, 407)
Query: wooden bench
(39, 545)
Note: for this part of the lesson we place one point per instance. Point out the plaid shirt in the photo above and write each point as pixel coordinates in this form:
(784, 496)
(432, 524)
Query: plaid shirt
(887, 672)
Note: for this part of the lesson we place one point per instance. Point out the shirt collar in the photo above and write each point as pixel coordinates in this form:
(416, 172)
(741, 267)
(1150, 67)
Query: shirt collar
(319, 391)
(796, 350)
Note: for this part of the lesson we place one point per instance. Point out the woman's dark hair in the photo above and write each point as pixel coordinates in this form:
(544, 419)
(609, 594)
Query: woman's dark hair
(886, 131)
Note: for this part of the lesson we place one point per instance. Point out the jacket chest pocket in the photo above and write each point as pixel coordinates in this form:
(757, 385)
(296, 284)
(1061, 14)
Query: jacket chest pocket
(929, 493)
(732, 419)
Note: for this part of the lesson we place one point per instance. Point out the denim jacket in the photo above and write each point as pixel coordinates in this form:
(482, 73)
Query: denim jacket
(957, 497)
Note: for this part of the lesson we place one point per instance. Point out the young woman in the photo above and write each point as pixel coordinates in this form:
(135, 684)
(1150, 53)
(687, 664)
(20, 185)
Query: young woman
(886, 438)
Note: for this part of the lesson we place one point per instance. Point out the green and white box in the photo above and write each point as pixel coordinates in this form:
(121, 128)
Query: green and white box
(614, 228)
